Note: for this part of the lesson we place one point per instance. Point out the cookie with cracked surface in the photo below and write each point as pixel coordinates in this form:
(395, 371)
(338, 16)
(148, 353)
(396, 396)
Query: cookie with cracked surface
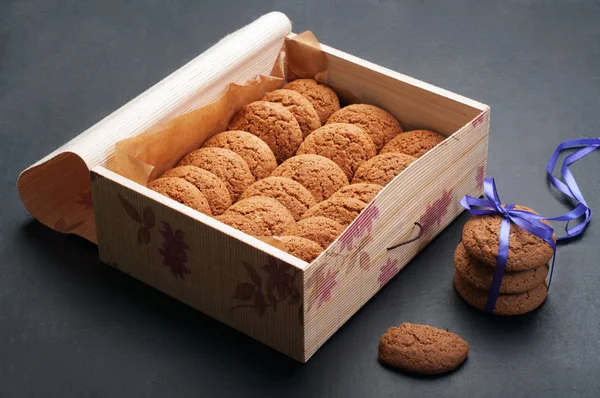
(322, 230)
(342, 210)
(507, 304)
(302, 248)
(240, 222)
(322, 97)
(225, 164)
(422, 349)
(525, 250)
(211, 186)
(347, 145)
(301, 108)
(480, 277)
(181, 191)
(379, 124)
(270, 215)
(286, 191)
(382, 168)
(361, 191)
(415, 143)
(272, 123)
(321, 176)
(252, 149)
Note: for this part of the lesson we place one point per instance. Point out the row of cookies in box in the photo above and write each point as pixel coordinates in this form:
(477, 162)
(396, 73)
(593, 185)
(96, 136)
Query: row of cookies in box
(296, 166)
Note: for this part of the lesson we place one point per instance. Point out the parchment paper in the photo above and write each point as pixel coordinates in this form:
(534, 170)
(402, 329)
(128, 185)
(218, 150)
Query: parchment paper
(148, 155)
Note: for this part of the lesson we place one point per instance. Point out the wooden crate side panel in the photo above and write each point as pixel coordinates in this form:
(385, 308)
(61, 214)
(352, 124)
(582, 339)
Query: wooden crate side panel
(357, 265)
(415, 104)
(220, 275)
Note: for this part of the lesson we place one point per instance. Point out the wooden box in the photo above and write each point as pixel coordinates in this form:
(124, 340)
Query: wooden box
(278, 299)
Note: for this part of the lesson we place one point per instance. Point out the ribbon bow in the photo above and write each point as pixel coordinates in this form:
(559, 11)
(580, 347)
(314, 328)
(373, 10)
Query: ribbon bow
(529, 221)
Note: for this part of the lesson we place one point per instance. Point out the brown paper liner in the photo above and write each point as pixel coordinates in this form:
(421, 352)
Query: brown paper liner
(56, 190)
(148, 155)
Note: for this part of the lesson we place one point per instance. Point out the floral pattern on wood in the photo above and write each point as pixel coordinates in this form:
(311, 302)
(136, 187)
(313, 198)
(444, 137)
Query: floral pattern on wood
(350, 251)
(435, 212)
(321, 284)
(478, 120)
(85, 200)
(259, 294)
(480, 176)
(388, 270)
(174, 251)
(354, 240)
(62, 226)
(146, 219)
(361, 226)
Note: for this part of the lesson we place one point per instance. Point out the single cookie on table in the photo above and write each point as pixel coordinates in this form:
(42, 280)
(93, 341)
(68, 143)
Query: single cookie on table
(507, 304)
(322, 230)
(270, 215)
(302, 248)
(342, 210)
(481, 236)
(211, 186)
(252, 149)
(414, 143)
(347, 145)
(422, 349)
(382, 168)
(293, 195)
(240, 222)
(361, 191)
(379, 124)
(322, 97)
(480, 277)
(300, 107)
(225, 164)
(272, 123)
(181, 191)
(321, 176)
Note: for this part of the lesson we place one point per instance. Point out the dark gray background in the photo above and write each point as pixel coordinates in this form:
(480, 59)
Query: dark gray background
(70, 326)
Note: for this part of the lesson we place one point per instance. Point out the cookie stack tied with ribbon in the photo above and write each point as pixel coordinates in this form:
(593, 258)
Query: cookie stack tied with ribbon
(502, 262)
(522, 285)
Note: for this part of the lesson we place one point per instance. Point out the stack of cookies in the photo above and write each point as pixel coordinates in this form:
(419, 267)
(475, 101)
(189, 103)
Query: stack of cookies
(523, 287)
(295, 165)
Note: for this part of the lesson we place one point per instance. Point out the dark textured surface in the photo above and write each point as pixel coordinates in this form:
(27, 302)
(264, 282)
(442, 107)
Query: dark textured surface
(70, 326)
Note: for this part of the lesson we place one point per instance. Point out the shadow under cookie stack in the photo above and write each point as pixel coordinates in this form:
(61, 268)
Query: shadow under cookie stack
(295, 166)
(523, 286)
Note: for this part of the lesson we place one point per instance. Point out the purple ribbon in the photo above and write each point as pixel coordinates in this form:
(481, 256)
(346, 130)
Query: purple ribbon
(531, 222)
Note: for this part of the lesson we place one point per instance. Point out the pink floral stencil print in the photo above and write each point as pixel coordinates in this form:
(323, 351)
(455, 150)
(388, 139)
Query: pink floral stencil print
(480, 176)
(478, 120)
(388, 270)
(324, 290)
(174, 250)
(279, 287)
(360, 227)
(322, 284)
(435, 212)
